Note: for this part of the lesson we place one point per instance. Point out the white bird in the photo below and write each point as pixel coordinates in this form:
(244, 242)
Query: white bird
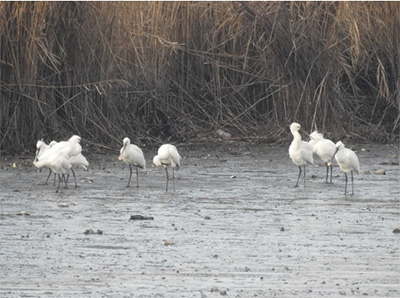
(79, 161)
(168, 156)
(132, 155)
(76, 160)
(69, 149)
(41, 148)
(348, 163)
(325, 149)
(300, 151)
(58, 162)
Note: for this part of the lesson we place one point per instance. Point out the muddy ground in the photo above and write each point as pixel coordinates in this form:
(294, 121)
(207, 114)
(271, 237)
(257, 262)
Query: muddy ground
(235, 227)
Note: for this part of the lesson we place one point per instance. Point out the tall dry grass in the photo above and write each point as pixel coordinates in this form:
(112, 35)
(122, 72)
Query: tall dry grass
(179, 70)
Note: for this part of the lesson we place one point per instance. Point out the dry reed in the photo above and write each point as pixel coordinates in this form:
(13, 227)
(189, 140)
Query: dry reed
(176, 71)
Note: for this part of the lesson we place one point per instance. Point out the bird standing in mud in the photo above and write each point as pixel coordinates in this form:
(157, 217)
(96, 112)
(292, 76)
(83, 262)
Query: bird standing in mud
(70, 148)
(58, 162)
(77, 160)
(325, 149)
(300, 151)
(133, 156)
(59, 156)
(348, 163)
(41, 148)
(168, 156)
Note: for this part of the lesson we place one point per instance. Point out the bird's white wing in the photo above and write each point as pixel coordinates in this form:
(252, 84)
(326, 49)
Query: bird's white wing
(175, 157)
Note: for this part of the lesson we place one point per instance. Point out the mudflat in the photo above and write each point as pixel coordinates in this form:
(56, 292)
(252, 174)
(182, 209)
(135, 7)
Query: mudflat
(235, 226)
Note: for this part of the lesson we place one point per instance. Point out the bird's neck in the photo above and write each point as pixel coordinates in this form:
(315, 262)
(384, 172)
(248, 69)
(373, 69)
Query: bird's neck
(296, 136)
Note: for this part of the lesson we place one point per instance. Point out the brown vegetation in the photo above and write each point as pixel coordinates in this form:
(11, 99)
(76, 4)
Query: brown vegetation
(180, 70)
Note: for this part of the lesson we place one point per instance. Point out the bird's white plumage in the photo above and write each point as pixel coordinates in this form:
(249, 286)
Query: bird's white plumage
(77, 160)
(168, 156)
(57, 161)
(41, 148)
(72, 147)
(347, 159)
(324, 148)
(299, 151)
(348, 163)
(132, 154)
(60, 157)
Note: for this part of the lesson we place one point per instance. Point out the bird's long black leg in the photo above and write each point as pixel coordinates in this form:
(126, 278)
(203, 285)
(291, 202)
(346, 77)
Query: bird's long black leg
(137, 177)
(48, 177)
(129, 181)
(327, 172)
(166, 170)
(352, 185)
(66, 179)
(345, 186)
(305, 175)
(173, 177)
(298, 178)
(59, 181)
(331, 172)
(73, 173)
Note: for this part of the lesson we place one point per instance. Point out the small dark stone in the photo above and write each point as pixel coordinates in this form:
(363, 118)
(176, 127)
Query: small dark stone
(92, 232)
(207, 217)
(141, 217)
(396, 231)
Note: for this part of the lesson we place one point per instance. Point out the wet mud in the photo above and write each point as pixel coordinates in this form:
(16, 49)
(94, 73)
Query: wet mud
(235, 227)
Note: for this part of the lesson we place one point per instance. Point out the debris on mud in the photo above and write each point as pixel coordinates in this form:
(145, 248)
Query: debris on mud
(391, 163)
(380, 172)
(396, 231)
(93, 232)
(168, 243)
(216, 289)
(141, 217)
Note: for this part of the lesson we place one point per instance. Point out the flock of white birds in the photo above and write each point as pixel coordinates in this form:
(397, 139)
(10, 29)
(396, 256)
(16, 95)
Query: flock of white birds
(62, 157)
(301, 153)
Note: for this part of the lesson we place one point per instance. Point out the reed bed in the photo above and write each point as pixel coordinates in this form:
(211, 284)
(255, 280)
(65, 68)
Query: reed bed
(178, 71)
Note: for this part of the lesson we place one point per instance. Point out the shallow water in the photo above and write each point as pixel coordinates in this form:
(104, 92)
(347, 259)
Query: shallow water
(235, 226)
